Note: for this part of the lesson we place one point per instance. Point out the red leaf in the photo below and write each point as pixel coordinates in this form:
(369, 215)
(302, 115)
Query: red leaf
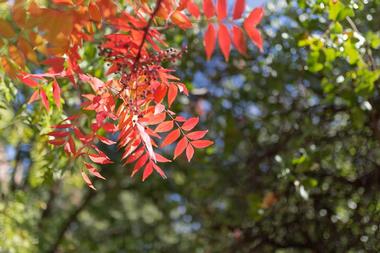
(239, 40)
(135, 155)
(57, 142)
(171, 137)
(147, 141)
(189, 152)
(209, 40)
(224, 40)
(109, 127)
(147, 171)
(160, 93)
(239, 9)
(202, 143)
(159, 171)
(139, 164)
(180, 119)
(162, 159)
(61, 126)
(172, 94)
(94, 171)
(56, 93)
(56, 63)
(87, 180)
(193, 9)
(254, 17)
(30, 82)
(68, 2)
(255, 36)
(156, 119)
(105, 140)
(222, 9)
(249, 25)
(44, 99)
(59, 134)
(101, 159)
(164, 126)
(70, 147)
(197, 135)
(181, 146)
(182, 4)
(34, 97)
(190, 124)
(208, 8)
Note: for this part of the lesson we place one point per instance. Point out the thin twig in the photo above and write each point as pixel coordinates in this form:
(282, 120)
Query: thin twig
(146, 31)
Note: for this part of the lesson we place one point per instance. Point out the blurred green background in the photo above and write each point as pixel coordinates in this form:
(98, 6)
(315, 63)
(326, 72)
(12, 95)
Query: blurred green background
(295, 166)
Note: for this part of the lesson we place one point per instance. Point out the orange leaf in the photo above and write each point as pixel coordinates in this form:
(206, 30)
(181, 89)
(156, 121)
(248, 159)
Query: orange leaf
(172, 94)
(239, 9)
(239, 40)
(164, 126)
(202, 143)
(6, 29)
(156, 119)
(34, 97)
(189, 152)
(181, 20)
(8, 67)
(26, 49)
(190, 123)
(222, 9)
(94, 12)
(224, 41)
(171, 137)
(181, 146)
(197, 135)
(16, 56)
(160, 93)
(209, 40)
(208, 8)
(18, 12)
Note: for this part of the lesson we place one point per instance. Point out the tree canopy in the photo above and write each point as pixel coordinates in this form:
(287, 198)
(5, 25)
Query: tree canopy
(294, 117)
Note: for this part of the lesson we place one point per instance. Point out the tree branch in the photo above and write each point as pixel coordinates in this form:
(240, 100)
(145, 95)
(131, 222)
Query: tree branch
(72, 218)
